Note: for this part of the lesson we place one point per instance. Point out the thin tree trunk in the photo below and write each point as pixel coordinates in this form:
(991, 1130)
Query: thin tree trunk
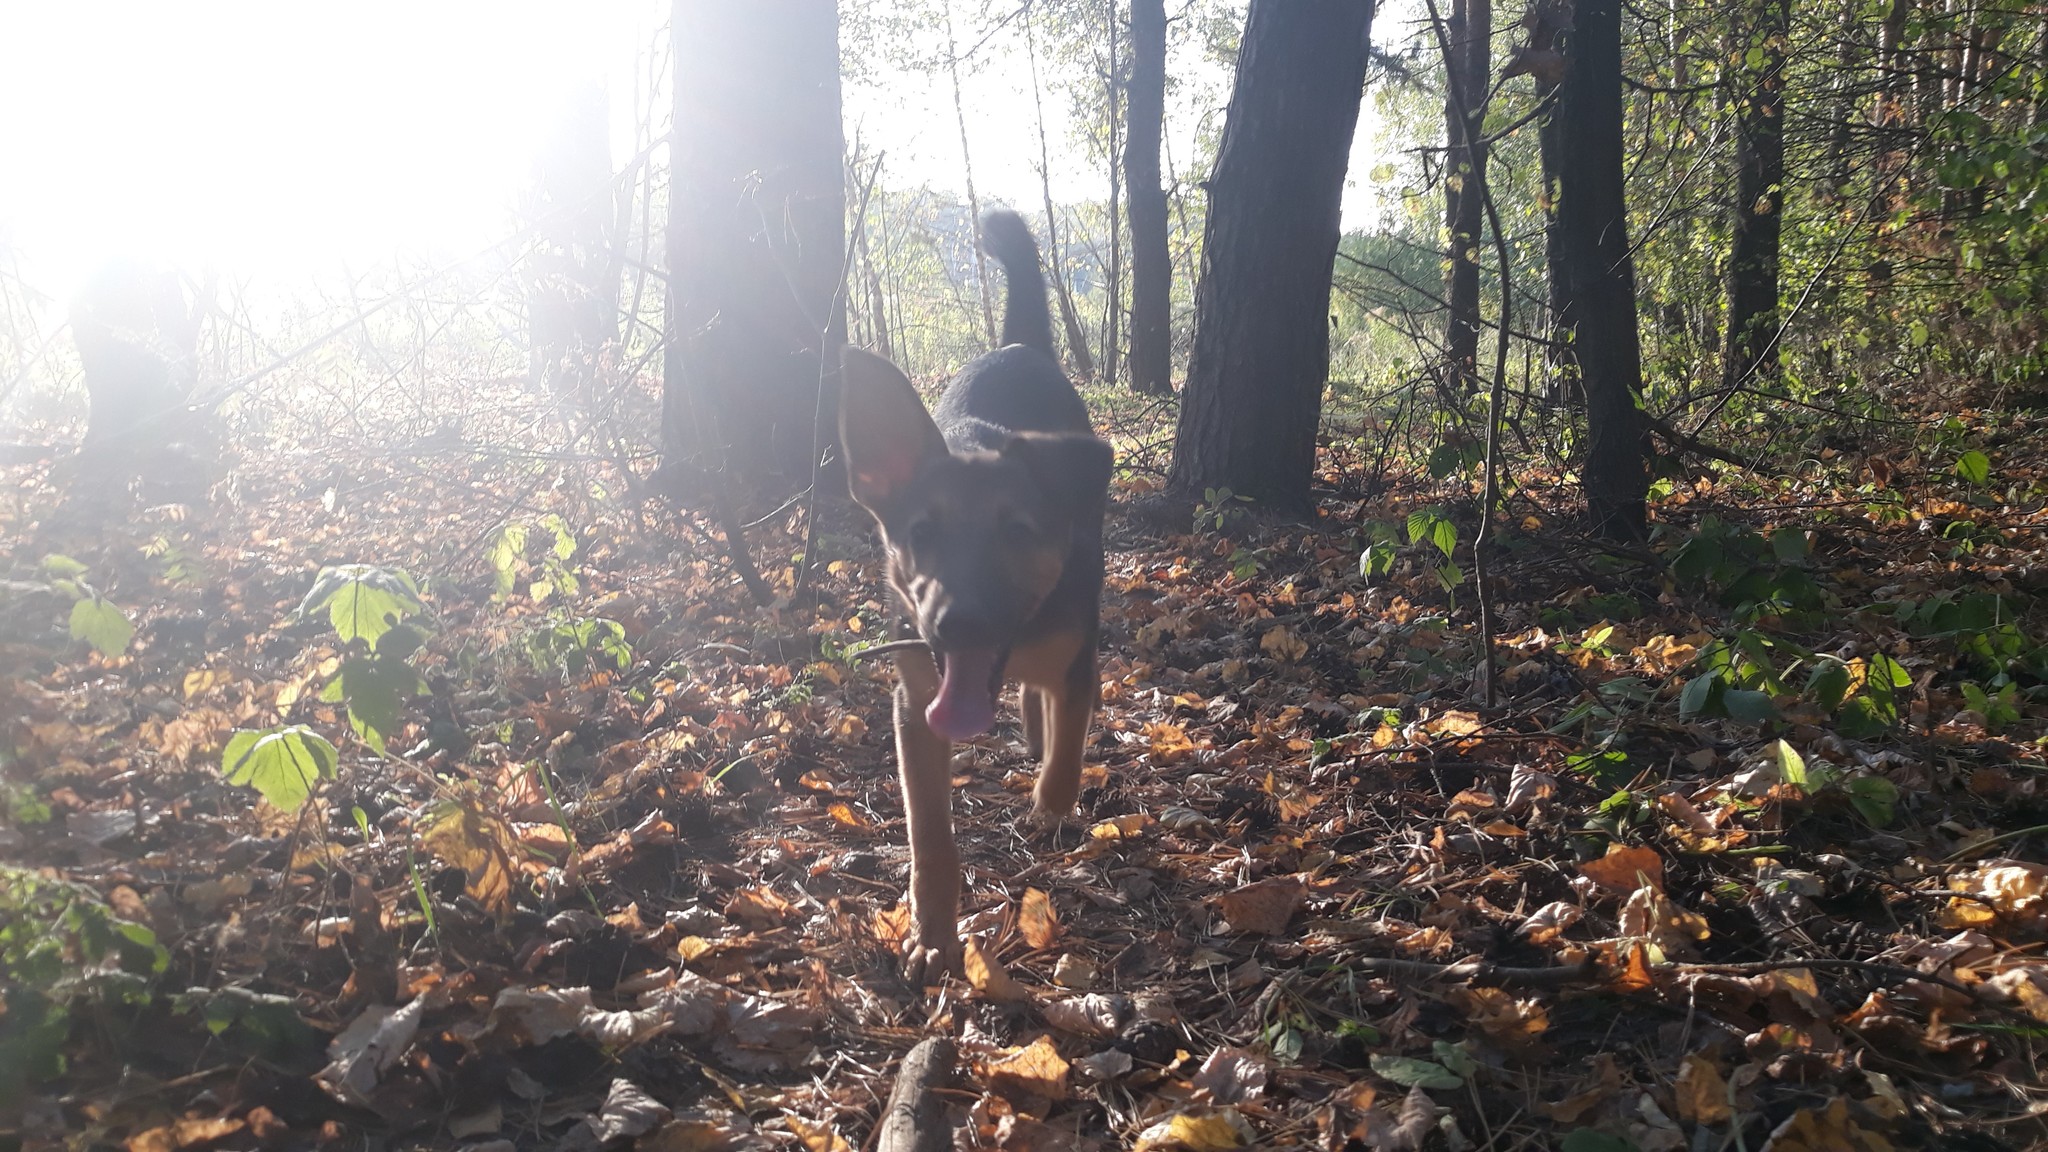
(1540, 59)
(1749, 338)
(1080, 362)
(1112, 312)
(1599, 272)
(1151, 265)
(1261, 355)
(988, 313)
(1469, 40)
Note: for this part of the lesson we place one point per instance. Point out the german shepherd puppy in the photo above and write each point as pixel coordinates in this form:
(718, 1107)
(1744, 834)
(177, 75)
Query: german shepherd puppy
(991, 511)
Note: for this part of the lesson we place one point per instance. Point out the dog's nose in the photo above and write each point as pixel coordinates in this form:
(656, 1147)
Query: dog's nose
(957, 626)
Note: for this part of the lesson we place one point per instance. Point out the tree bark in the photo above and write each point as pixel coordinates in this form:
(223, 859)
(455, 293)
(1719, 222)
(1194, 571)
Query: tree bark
(756, 239)
(1112, 309)
(1468, 35)
(1262, 340)
(1540, 59)
(1599, 275)
(1151, 360)
(1749, 338)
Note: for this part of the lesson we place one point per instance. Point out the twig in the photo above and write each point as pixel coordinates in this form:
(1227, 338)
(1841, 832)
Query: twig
(914, 1120)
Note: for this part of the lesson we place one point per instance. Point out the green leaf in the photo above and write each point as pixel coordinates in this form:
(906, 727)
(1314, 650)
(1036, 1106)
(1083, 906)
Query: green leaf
(1698, 694)
(1828, 684)
(1916, 335)
(1875, 798)
(1755, 59)
(1377, 560)
(1749, 705)
(1455, 1058)
(362, 600)
(1974, 467)
(1409, 1072)
(283, 764)
(57, 566)
(1789, 546)
(375, 688)
(1792, 766)
(101, 625)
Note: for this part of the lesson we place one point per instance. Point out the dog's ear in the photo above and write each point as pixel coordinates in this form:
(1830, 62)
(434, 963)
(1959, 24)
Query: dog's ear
(1074, 466)
(884, 428)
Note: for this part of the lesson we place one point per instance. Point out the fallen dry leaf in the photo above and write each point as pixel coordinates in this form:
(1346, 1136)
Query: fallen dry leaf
(1625, 869)
(1264, 906)
(1230, 1076)
(988, 977)
(1830, 1128)
(1211, 1130)
(1036, 919)
(1701, 1091)
(1033, 1070)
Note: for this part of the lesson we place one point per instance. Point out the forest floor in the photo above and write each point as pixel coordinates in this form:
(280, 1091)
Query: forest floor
(1739, 858)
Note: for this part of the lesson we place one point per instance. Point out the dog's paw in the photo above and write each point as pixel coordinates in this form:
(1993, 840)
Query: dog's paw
(1046, 824)
(927, 962)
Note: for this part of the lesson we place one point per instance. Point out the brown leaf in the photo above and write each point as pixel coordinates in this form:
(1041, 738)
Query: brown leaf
(1230, 1076)
(1036, 919)
(818, 1137)
(1264, 906)
(1033, 1070)
(1625, 869)
(759, 908)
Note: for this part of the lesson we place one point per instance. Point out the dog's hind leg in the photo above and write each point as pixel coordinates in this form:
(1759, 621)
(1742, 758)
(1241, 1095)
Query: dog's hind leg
(924, 761)
(1069, 709)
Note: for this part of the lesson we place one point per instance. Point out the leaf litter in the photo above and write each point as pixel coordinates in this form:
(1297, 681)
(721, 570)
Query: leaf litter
(1314, 895)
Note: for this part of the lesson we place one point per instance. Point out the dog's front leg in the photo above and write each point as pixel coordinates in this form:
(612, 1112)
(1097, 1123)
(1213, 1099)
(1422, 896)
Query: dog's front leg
(924, 761)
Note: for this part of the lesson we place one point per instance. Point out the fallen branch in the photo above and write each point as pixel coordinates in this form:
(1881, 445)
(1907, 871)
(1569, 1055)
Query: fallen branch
(877, 651)
(914, 1121)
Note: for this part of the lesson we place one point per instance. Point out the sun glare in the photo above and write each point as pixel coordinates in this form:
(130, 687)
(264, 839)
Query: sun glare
(262, 137)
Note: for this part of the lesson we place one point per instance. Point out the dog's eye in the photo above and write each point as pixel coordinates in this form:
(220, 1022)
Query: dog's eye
(1019, 527)
(923, 532)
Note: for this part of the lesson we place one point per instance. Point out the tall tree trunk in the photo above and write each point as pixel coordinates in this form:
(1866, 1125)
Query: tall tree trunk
(981, 284)
(1468, 38)
(1600, 276)
(1151, 266)
(757, 233)
(1757, 50)
(1112, 311)
(1079, 362)
(1262, 340)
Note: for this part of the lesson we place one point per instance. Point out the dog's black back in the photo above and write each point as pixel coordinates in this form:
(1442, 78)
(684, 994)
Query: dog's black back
(1019, 387)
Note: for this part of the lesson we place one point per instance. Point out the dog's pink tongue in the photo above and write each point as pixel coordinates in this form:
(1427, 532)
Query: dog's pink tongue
(965, 706)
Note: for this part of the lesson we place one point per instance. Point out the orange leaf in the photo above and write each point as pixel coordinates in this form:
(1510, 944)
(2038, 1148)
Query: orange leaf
(1626, 869)
(1265, 906)
(988, 977)
(1040, 925)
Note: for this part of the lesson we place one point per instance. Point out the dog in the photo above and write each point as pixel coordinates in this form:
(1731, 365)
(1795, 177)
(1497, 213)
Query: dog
(990, 508)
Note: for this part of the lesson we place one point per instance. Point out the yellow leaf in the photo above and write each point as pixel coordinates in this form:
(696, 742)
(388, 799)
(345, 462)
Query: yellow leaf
(988, 977)
(1702, 1091)
(1282, 644)
(1626, 869)
(1038, 922)
(843, 813)
(201, 680)
(1211, 1131)
(1828, 1129)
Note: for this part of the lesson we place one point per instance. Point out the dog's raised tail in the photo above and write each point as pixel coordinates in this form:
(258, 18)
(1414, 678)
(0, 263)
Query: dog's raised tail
(1026, 319)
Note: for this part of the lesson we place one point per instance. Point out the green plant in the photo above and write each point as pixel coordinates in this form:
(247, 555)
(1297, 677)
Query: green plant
(550, 573)
(61, 946)
(1998, 705)
(94, 620)
(1751, 574)
(574, 648)
(1874, 797)
(368, 606)
(1219, 509)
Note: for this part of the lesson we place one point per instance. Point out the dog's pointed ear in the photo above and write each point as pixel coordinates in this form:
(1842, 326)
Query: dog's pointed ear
(883, 427)
(1074, 466)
